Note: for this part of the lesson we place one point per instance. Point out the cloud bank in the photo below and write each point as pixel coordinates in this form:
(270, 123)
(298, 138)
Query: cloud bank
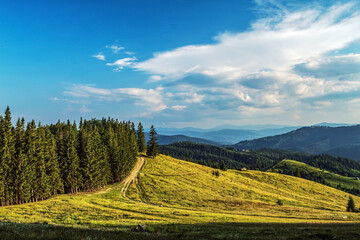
(293, 65)
(283, 62)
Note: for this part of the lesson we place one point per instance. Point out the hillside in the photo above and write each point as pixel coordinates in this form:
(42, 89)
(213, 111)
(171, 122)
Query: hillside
(169, 191)
(179, 184)
(214, 156)
(341, 141)
(261, 159)
(294, 168)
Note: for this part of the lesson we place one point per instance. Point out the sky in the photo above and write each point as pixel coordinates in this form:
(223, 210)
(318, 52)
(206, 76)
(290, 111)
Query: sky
(182, 63)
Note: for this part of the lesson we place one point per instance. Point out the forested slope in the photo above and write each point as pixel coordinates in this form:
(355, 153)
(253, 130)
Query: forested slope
(38, 161)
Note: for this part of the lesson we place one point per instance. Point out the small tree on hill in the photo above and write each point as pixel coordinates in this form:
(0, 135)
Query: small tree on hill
(152, 143)
(351, 205)
(223, 166)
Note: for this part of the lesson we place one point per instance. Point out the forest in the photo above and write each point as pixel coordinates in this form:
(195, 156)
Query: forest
(38, 161)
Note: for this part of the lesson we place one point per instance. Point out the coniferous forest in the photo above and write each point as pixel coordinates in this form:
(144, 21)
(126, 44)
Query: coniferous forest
(38, 161)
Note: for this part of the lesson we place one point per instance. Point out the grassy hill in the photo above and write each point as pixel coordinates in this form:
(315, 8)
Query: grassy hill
(179, 184)
(261, 159)
(179, 199)
(292, 167)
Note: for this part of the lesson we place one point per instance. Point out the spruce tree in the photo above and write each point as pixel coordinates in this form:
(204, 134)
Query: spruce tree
(7, 160)
(21, 165)
(351, 205)
(7, 154)
(40, 166)
(31, 152)
(141, 138)
(223, 166)
(152, 145)
(72, 176)
(54, 183)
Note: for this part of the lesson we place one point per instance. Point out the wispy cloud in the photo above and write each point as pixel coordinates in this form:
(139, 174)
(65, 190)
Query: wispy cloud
(121, 63)
(178, 107)
(115, 48)
(99, 56)
(155, 78)
(150, 98)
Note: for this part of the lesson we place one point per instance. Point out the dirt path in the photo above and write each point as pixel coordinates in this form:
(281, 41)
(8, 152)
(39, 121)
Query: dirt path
(134, 173)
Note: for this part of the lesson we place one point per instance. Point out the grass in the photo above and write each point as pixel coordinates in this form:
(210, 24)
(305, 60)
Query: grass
(179, 199)
(331, 178)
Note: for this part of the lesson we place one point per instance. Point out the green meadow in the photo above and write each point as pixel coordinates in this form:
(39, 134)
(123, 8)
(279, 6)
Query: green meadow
(179, 199)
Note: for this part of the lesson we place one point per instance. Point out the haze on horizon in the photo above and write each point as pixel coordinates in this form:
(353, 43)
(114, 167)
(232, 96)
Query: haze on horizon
(182, 63)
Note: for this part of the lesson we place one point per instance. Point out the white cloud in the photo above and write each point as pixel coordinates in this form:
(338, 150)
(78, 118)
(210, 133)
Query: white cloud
(115, 48)
(155, 78)
(178, 107)
(298, 38)
(150, 98)
(121, 63)
(129, 53)
(99, 56)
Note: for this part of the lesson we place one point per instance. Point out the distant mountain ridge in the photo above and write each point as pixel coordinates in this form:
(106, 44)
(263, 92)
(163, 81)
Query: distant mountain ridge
(339, 141)
(165, 140)
(225, 136)
(231, 134)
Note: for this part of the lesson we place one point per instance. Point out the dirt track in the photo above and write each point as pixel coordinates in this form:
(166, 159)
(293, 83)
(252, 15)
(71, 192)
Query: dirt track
(134, 173)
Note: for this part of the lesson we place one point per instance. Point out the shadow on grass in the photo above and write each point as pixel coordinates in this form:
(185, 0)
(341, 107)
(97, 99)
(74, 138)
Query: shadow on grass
(183, 231)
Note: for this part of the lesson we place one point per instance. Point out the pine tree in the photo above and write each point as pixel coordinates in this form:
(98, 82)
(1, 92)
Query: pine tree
(223, 166)
(54, 183)
(21, 165)
(40, 166)
(31, 150)
(72, 176)
(141, 138)
(152, 143)
(102, 166)
(7, 155)
(351, 205)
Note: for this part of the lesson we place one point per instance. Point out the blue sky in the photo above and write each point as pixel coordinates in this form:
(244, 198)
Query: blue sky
(182, 63)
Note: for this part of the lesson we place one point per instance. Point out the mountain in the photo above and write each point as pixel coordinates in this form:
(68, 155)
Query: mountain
(326, 124)
(228, 136)
(165, 140)
(340, 141)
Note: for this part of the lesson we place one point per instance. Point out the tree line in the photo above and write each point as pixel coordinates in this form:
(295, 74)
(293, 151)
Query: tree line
(38, 161)
(260, 159)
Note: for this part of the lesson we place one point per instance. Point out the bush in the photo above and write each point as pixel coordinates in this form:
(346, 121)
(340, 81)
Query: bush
(280, 202)
(216, 173)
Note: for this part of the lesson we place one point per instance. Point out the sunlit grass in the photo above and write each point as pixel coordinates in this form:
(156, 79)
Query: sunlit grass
(179, 192)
